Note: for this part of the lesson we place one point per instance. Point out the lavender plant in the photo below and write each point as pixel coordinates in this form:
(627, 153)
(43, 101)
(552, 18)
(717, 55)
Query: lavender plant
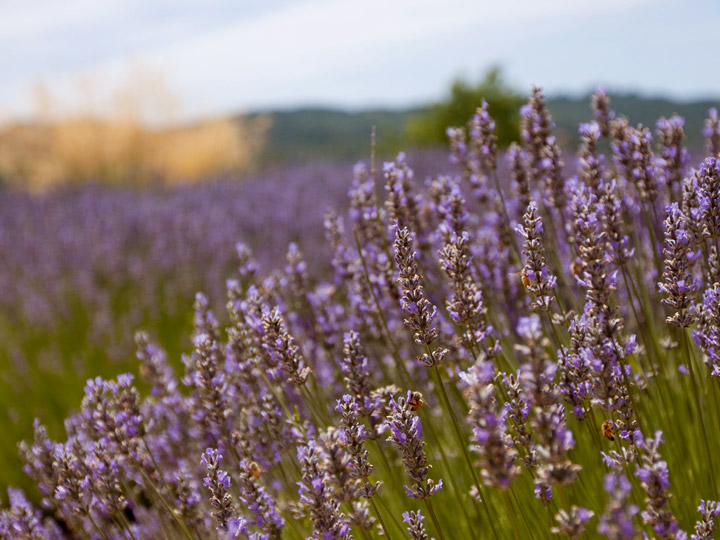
(503, 386)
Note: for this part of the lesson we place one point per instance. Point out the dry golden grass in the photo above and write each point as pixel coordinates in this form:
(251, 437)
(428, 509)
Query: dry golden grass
(64, 144)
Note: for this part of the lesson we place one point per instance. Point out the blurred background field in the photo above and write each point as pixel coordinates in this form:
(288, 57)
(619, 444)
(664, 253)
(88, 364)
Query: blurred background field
(116, 205)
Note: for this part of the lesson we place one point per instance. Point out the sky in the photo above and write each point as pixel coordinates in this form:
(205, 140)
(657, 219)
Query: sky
(221, 56)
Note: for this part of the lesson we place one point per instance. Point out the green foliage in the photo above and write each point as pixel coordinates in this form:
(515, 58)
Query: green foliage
(300, 135)
(428, 128)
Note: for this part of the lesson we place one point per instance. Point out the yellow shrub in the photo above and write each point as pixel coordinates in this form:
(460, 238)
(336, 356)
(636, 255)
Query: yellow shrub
(65, 145)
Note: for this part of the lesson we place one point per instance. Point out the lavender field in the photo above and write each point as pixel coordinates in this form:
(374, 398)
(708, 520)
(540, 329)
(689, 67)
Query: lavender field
(469, 344)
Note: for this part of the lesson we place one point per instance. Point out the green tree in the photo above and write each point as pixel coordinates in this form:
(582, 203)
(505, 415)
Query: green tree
(428, 128)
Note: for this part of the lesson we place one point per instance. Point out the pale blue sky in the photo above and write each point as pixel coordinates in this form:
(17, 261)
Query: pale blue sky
(228, 55)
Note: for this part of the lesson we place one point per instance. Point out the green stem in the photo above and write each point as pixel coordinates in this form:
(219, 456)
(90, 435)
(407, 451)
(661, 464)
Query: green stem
(98, 529)
(392, 473)
(392, 516)
(513, 516)
(522, 513)
(159, 495)
(463, 445)
(429, 426)
(696, 396)
(434, 519)
(376, 510)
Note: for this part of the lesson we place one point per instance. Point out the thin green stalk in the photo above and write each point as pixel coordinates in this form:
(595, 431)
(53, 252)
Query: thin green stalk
(558, 342)
(148, 481)
(513, 516)
(463, 445)
(129, 495)
(323, 411)
(363, 533)
(434, 518)
(320, 418)
(376, 510)
(653, 239)
(592, 429)
(391, 472)
(715, 391)
(95, 525)
(428, 425)
(641, 328)
(392, 516)
(522, 512)
(291, 520)
(159, 495)
(696, 396)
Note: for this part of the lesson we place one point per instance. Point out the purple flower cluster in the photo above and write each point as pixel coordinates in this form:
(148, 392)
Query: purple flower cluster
(537, 278)
(415, 527)
(406, 433)
(675, 157)
(711, 131)
(708, 333)
(655, 480)
(617, 522)
(678, 284)
(490, 439)
(709, 511)
(475, 150)
(328, 522)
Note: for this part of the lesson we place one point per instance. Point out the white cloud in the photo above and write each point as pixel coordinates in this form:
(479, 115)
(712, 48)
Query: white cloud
(351, 52)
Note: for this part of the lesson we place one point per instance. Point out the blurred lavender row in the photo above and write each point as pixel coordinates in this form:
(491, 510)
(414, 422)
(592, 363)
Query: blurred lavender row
(83, 267)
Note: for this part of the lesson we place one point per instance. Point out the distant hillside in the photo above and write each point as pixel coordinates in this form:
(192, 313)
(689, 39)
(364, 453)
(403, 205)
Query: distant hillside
(304, 134)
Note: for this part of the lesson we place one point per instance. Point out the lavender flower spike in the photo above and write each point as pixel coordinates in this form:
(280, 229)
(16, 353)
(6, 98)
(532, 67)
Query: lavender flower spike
(655, 480)
(407, 433)
(23, 521)
(677, 284)
(465, 304)
(572, 523)
(617, 521)
(708, 333)
(708, 183)
(415, 527)
(354, 365)
(546, 166)
(328, 522)
(709, 510)
(421, 312)
(483, 142)
(490, 438)
(590, 162)
(218, 483)
(711, 131)
(257, 501)
(536, 276)
(352, 435)
(675, 156)
(282, 348)
(517, 162)
(602, 113)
